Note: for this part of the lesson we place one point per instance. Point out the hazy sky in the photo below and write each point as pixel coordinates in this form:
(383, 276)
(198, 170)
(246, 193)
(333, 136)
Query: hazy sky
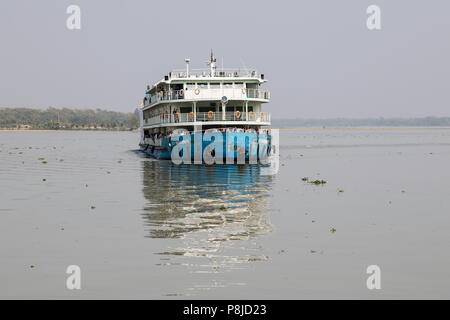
(319, 56)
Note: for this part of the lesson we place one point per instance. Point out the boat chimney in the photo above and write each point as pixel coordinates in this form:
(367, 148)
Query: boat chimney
(187, 66)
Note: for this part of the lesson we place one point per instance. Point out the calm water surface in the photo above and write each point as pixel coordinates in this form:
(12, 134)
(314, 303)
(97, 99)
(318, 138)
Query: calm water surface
(141, 228)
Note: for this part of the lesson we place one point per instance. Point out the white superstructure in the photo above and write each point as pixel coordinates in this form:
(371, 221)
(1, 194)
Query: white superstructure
(212, 98)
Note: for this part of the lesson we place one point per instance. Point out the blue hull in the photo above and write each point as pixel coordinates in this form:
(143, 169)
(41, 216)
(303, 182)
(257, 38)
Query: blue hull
(243, 142)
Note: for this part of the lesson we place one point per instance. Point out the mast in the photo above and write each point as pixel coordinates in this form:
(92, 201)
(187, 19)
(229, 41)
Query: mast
(212, 64)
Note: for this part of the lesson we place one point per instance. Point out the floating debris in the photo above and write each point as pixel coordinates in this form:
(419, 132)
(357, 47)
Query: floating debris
(41, 159)
(333, 230)
(61, 160)
(32, 267)
(120, 161)
(223, 208)
(317, 182)
(340, 190)
(108, 172)
(44, 179)
(305, 179)
(92, 207)
(44, 162)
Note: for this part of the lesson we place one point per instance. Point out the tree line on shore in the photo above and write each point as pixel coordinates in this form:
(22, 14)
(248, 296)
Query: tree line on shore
(67, 119)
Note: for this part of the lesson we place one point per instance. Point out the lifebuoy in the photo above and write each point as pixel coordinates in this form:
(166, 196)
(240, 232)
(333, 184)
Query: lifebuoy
(197, 91)
(251, 115)
(181, 92)
(191, 115)
(237, 114)
(210, 114)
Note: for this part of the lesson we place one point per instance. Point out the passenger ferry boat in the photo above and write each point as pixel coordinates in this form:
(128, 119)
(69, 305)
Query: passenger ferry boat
(204, 100)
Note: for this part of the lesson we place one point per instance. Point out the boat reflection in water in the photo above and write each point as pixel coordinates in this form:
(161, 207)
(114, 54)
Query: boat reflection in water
(214, 214)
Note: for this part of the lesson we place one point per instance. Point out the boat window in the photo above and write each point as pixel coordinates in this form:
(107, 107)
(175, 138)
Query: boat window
(190, 86)
(228, 85)
(185, 109)
(238, 85)
(206, 109)
(202, 85)
(214, 85)
(250, 108)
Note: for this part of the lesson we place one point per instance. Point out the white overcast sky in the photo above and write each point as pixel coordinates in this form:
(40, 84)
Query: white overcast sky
(319, 56)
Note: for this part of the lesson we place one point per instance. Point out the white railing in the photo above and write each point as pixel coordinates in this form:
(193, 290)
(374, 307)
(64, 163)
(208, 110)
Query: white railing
(209, 94)
(197, 73)
(209, 116)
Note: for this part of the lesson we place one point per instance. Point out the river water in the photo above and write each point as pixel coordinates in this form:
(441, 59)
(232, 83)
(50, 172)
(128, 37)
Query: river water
(142, 228)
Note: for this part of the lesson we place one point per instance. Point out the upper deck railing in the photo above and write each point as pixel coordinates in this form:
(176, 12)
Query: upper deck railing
(260, 117)
(208, 94)
(205, 73)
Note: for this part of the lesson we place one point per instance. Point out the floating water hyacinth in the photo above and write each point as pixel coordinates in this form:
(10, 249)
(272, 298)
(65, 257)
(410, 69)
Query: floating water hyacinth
(305, 179)
(223, 208)
(317, 182)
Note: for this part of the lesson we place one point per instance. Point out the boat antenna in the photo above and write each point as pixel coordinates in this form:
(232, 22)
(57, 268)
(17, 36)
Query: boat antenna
(243, 64)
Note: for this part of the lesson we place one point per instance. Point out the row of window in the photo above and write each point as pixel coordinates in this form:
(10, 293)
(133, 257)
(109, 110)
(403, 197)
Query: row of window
(213, 108)
(215, 85)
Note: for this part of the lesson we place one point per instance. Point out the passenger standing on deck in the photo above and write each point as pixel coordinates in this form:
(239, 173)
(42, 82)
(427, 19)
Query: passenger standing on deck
(147, 93)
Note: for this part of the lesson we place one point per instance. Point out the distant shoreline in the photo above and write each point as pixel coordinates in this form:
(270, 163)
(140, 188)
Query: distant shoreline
(64, 130)
(362, 128)
(279, 128)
